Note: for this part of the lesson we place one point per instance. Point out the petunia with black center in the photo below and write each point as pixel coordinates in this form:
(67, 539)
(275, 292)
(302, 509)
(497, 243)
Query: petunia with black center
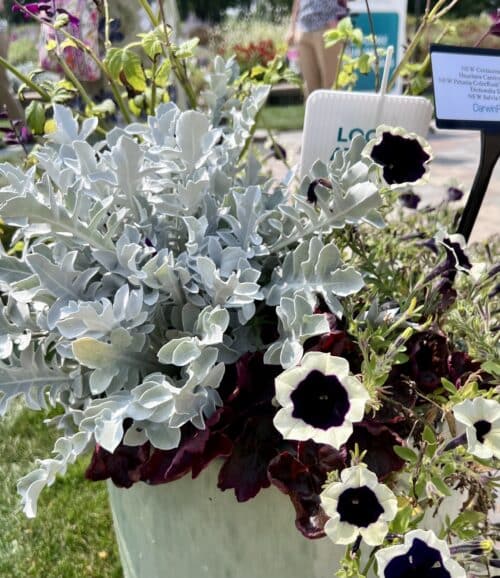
(403, 157)
(481, 418)
(319, 400)
(421, 555)
(358, 506)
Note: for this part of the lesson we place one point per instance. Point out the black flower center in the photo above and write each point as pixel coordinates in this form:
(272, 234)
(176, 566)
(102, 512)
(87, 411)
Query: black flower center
(403, 158)
(421, 561)
(320, 400)
(359, 507)
(482, 428)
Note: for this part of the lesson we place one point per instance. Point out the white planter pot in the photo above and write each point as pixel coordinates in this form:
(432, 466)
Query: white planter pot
(190, 529)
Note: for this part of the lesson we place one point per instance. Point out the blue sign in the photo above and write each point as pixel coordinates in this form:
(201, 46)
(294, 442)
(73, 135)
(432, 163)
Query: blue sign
(386, 25)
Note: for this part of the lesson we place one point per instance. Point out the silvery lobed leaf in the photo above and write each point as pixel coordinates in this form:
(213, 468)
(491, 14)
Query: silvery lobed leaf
(115, 363)
(31, 377)
(67, 450)
(314, 269)
(61, 281)
(297, 322)
(67, 129)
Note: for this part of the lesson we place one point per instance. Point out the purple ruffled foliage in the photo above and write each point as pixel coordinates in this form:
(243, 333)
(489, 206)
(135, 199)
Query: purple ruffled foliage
(446, 270)
(409, 200)
(245, 470)
(338, 343)
(454, 194)
(460, 366)
(301, 475)
(378, 441)
(428, 359)
(123, 466)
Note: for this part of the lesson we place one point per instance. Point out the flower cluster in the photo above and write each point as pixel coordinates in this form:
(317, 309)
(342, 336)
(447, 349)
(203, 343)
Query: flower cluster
(254, 54)
(181, 310)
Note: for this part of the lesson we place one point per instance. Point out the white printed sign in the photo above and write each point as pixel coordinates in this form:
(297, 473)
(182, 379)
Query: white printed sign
(333, 118)
(466, 86)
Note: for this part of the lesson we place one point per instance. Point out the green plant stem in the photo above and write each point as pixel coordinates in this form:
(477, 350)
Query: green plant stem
(341, 58)
(375, 49)
(178, 68)
(82, 46)
(370, 561)
(429, 17)
(107, 21)
(23, 78)
(153, 84)
(78, 85)
(147, 8)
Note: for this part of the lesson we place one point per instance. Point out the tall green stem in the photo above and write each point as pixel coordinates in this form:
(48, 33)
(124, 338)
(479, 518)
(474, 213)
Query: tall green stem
(82, 46)
(178, 68)
(71, 75)
(429, 17)
(23, 78)
(375, 48)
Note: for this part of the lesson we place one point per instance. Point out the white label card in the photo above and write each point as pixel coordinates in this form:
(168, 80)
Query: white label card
(466, 87)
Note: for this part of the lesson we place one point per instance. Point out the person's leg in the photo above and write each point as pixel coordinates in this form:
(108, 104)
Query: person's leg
(308, 63)
(14, 108)
(328, 59)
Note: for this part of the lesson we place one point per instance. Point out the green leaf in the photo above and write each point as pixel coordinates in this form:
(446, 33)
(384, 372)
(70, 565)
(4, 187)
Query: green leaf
(120, 60)
(185, 50)
(162, 74)
(364, 63)
(448, 386)
(491, 367)
(402, 520)
(406, 454)
(428, 435)
(441, 486)
(132, 69)
(114, 62)
(35, 117)
(152, 44)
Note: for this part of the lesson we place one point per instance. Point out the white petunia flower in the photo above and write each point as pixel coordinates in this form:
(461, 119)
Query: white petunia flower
(422, 555)
(320, 400)
(358, 505)
(482, 420)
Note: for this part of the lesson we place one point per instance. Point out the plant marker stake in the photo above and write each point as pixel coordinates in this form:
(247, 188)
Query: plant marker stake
(461, 103)
(383, 83)
(490, 152)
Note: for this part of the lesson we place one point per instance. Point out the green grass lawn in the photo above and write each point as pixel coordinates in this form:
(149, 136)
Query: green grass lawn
(282, 117)
(72, 535)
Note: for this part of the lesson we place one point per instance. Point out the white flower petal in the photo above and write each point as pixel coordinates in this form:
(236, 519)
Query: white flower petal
(286, 383)
(375, 533)
(292, 428)
(337, 366)
(340, 532)
(334, 436)
(385, 555)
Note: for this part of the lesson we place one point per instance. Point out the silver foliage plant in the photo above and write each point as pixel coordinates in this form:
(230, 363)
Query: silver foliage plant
(145, 259)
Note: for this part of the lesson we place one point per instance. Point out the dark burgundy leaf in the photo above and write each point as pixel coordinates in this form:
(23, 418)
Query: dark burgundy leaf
(409, 200)
(122, 466)
(245, 470)
(378, 441)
